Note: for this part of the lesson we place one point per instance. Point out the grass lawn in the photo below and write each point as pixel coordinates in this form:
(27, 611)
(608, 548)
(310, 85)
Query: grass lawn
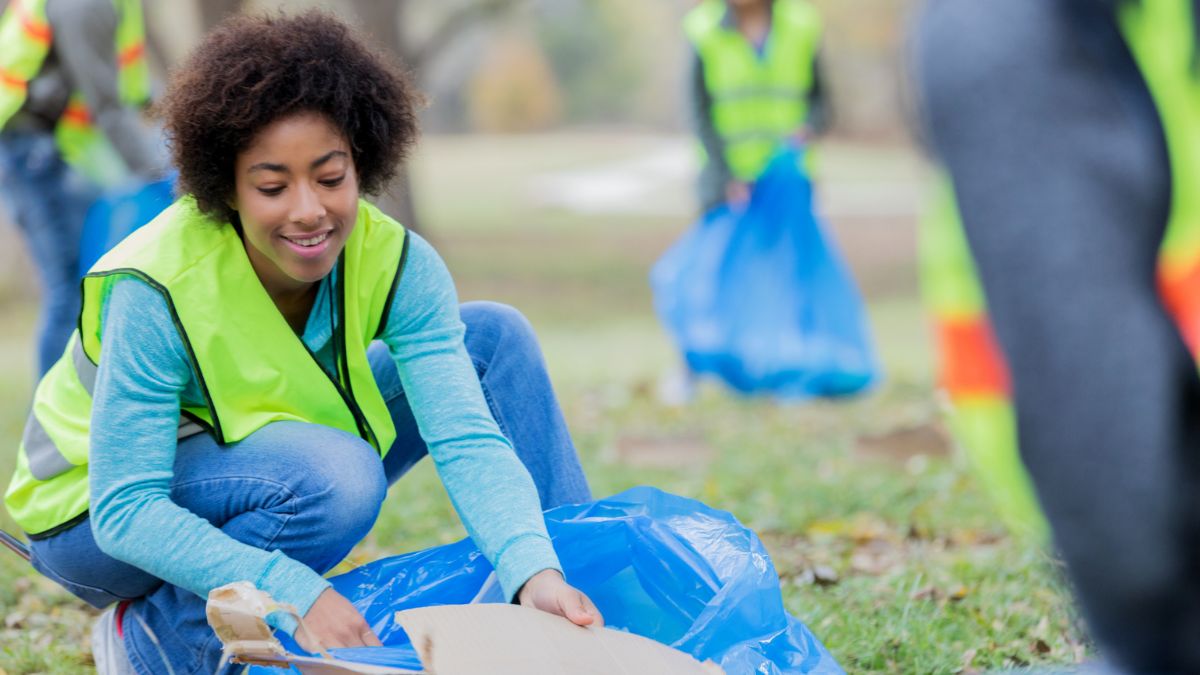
(885, 547)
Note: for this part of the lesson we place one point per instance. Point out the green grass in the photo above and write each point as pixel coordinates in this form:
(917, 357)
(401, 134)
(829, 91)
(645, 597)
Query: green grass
(893, 559)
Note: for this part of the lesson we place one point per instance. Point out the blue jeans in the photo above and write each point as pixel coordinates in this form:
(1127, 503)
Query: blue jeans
(283, 486)
(49, 201)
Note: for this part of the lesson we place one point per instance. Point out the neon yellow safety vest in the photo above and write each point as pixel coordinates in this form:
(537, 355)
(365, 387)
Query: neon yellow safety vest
(249, 364)
(26, 37)
(756, 101)
(1161, 37)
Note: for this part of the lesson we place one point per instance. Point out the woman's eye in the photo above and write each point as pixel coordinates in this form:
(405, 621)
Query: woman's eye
(334, 182)
(271, 191)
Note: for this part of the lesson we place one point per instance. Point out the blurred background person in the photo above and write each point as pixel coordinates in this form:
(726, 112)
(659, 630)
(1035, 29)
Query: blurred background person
(73, 80)
(1069, 130)
(755, 83)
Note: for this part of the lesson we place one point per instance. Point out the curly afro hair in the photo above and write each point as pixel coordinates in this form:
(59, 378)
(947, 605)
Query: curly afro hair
(252, 71)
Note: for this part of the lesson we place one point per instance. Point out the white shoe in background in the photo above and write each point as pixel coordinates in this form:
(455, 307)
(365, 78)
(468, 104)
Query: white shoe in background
(677, 388)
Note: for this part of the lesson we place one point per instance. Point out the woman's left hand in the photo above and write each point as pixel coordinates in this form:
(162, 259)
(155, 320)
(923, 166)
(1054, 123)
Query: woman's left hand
(549, 592)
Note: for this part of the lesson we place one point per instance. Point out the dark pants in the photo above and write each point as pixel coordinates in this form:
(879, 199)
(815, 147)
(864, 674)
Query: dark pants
(1059, 164)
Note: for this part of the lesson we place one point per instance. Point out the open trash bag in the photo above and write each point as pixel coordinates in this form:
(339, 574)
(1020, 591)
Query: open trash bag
(117, 213)
(760, 297)
(655, 564)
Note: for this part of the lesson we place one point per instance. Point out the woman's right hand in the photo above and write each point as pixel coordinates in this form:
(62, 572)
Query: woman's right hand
(737, 193)
(333, 622)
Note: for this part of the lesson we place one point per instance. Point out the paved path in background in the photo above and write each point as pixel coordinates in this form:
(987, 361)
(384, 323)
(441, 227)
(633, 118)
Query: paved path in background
(658, 181)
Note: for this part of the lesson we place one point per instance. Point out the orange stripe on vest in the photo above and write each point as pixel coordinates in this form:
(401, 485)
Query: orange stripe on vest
(77, 114)
(12, 81)
(131, 53)
(1181, 296)
(34, 29)
(972, 363)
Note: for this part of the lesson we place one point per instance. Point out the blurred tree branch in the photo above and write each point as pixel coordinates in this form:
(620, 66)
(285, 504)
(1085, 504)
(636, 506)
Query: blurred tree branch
(451, 26)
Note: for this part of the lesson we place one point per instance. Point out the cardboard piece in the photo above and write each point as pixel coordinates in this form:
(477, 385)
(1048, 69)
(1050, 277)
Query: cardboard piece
(515, 640)
(491, 639)
(236, 613)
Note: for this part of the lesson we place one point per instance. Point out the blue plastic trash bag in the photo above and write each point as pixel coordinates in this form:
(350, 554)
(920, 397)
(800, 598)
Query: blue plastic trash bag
(761, 298)
(117, 213)
(655, 564)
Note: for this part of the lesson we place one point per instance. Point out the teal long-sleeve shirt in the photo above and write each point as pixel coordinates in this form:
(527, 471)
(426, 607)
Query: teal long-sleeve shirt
(145, 374)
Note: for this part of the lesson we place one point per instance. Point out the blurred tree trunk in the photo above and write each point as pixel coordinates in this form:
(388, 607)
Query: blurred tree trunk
(382, 19)
(212, 11)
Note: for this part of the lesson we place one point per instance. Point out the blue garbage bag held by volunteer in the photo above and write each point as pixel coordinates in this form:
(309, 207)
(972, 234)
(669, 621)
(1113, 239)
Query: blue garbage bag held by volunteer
(658, 565)
(759, 296)
(118, 212)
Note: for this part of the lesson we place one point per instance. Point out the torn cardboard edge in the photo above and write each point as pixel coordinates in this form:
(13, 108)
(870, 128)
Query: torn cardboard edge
(498, 639)
(237, 614)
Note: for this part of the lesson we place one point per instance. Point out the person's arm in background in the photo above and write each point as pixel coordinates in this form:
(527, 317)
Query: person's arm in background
(1064, 192)
(715, 179)
(84, 35)
(820, 110)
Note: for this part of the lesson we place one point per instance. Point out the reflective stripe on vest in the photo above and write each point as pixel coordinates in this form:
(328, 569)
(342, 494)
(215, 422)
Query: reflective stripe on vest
(250, 366)
(972, 369)
(756, 101)
(26, 36)
(1161, 38)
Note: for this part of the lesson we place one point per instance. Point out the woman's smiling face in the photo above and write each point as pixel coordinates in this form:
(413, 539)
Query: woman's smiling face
(296, 193)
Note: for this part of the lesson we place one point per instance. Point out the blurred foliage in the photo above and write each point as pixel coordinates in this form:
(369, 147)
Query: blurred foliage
(604, 53)
(514, 89)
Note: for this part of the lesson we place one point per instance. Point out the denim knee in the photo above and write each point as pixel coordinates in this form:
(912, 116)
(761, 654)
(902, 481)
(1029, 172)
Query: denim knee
(345, 474)
(492, 326)
(334, 480)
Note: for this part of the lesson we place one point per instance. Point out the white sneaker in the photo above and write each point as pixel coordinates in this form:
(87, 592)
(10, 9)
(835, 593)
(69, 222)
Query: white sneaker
(677, 388)
(108, 649)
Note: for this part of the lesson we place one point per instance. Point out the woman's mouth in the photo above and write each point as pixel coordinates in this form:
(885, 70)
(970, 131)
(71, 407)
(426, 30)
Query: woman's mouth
(308, 245)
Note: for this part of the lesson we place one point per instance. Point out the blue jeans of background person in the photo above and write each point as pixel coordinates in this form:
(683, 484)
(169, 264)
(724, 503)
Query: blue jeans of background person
(282, 486)
(48, 201)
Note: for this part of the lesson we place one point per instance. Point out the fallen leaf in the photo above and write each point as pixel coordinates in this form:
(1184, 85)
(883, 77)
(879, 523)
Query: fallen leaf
(929, 593)
(968, 658)
(664, 452)
(824, 575)
(901, 445)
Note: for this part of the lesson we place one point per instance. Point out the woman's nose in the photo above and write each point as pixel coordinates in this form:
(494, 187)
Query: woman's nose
(307, 208)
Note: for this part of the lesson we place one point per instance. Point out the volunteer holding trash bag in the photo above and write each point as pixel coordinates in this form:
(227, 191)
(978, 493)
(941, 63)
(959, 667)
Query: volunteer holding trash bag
(289, 335)
(73, 80)
(755, 88)
(755, 83)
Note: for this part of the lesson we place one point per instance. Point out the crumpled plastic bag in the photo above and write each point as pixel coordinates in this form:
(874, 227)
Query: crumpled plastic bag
(655, 564)
(117, 213)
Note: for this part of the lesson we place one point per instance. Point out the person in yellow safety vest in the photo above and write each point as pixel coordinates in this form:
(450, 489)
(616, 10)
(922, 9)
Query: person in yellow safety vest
(1069, 131)
(755, 83)
(73, 80)
(253, 368)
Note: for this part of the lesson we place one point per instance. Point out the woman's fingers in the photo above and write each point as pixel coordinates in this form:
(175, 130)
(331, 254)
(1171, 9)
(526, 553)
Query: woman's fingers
(369, 638)
(578, 608)
(332, 623)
